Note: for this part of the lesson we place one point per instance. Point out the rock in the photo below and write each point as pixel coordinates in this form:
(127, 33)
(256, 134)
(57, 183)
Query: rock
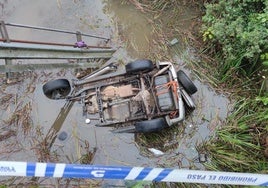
(62, 136)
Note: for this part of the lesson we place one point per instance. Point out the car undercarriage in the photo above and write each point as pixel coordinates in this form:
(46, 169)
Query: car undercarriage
(147, 97)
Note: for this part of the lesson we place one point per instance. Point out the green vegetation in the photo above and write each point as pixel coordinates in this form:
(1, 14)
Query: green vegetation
(238, 146)
(238, 32)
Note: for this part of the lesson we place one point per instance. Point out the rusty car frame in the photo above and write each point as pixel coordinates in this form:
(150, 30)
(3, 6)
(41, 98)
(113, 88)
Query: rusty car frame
(144, 97)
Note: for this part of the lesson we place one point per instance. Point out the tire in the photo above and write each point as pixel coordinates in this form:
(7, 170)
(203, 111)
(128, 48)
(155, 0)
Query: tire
(153, 125)
(143, 65)
(186, 82)
(57, 89)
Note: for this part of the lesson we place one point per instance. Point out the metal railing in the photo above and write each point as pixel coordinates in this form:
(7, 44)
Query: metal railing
(26, 49)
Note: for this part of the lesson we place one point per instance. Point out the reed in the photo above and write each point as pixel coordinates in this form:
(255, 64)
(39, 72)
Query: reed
(240, 144)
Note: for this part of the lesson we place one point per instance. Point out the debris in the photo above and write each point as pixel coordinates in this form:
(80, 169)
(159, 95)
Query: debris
(6, 134)
(173, 42)
(80, 44)
(203, 158)
(156, 151)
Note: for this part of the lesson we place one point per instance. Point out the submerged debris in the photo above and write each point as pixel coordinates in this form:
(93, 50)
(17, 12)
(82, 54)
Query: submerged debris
(6, 100)
(21, 117)
(7, 134)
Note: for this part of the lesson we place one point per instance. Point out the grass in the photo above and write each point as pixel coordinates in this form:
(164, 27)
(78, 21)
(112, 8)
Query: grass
(239, 145)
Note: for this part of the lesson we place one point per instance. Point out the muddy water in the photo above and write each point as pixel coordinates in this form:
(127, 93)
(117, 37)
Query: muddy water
(131, 27)
(107, 18)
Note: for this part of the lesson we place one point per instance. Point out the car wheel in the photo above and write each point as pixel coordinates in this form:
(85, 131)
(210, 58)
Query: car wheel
(186, 82)
(143, 65)
(152, 125)
(57, 89)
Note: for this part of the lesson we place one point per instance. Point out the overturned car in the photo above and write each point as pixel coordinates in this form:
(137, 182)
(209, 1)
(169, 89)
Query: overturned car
(145, 97)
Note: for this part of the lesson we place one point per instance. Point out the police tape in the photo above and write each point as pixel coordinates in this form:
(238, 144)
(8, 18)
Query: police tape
(61, 170)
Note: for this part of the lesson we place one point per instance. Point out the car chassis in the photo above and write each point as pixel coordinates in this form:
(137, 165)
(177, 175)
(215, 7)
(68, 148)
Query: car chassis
(145, 97)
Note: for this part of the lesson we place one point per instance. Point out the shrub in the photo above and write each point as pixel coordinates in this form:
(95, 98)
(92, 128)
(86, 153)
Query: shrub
(239, 31)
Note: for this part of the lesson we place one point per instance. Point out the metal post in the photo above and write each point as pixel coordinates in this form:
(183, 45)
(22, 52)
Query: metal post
(78, 39)
(4, 33)
(78, 36)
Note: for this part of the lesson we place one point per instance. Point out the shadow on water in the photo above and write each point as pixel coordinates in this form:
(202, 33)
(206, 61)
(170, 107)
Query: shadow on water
(56, 126)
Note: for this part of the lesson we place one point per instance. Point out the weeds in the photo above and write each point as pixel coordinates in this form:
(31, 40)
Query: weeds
(6, 100)
(21, 118)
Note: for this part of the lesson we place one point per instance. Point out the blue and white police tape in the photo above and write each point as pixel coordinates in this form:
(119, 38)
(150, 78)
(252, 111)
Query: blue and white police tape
(58, 170)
